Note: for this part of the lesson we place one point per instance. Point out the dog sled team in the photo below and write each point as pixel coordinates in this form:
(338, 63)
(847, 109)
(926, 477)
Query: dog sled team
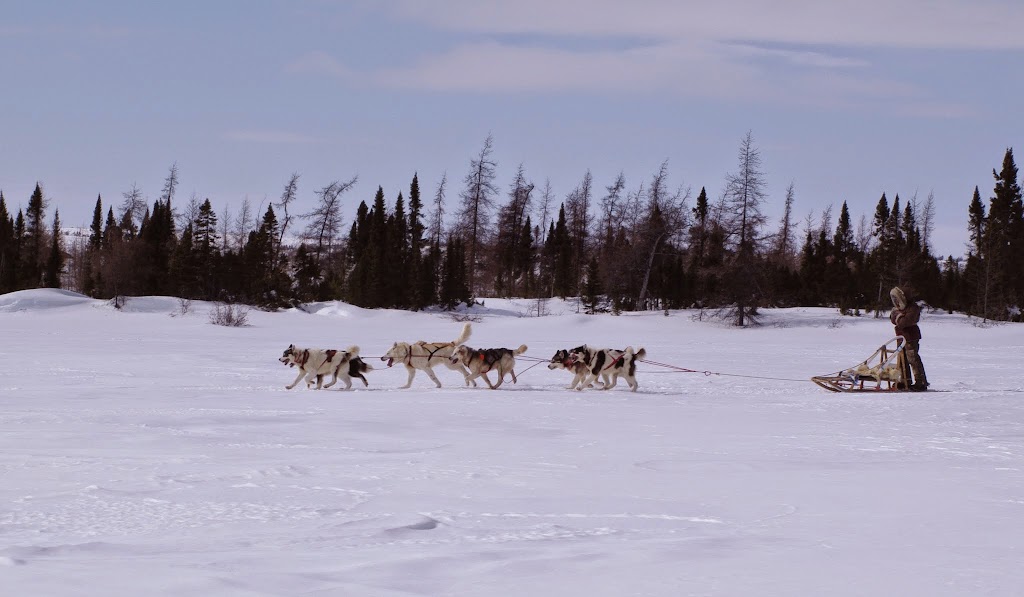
(589, 365)
(895, 366)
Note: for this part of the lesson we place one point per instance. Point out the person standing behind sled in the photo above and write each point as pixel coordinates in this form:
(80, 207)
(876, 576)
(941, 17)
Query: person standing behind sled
(905, 315)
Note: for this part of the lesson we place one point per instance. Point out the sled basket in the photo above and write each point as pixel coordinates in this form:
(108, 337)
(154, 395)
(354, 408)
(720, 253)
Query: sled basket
(884, 371)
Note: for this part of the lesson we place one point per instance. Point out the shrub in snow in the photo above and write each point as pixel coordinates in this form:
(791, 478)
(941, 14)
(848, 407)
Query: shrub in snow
(234, 316)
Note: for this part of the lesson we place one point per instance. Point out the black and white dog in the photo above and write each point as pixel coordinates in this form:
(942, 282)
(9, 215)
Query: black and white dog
(608, 364)
(563, 359)
(480, 361)
(315, 363)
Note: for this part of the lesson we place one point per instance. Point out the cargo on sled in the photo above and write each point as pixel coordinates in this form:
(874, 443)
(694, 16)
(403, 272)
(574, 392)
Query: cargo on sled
(884, 371)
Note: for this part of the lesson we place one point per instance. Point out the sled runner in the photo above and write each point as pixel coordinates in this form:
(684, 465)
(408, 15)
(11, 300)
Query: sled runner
(883, 371)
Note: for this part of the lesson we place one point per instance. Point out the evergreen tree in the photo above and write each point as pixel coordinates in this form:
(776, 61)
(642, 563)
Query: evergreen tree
(55, 260)
(397, 237)
(840, 271)
(592, 289)
(454, 281)
(561, 252)
(17, 249)
(33, 250)
(419, 295)
(976, 222)
(8, 260)
(377, 276)
(96, 229)
(307, 275)
(183, 277)
(206, 248)
(1004, 239)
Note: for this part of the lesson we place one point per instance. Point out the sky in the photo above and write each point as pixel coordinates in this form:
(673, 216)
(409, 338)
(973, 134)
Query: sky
(845, 100)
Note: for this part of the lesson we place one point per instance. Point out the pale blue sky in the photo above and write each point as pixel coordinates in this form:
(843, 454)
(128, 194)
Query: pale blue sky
(845, 99)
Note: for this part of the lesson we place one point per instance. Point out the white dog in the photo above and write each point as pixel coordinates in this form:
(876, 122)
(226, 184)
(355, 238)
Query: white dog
(609, 364)
(481, 360)
(424, 356)
(315, 363)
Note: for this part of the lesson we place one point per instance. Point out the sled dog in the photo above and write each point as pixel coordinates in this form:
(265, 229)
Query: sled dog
(315, 363)
(609, 364)
(563, 359)
(481, 360)
(424, 356)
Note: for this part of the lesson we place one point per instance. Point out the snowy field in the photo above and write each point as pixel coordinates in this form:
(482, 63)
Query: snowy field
(144, 452)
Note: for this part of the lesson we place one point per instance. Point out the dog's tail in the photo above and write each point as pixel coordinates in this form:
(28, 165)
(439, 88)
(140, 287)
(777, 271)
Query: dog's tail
(634, 357)
(466, 331)
(353, 351)
(520, 350)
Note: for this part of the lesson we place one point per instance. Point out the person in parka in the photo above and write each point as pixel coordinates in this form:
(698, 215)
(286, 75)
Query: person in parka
(905, 315)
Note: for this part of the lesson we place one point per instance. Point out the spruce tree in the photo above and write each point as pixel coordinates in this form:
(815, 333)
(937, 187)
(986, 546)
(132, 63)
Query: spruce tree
(34, 247)
(96, 229)
(1003, 240)
(55, 259)
(205, 244)
(17, 249)
(454, 282)
(416, 269)
(8, 263)
(976, 223)
(397, 238)
(562, 274)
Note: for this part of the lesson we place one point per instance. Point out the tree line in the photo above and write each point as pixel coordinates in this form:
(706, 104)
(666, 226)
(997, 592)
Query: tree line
(650, 247)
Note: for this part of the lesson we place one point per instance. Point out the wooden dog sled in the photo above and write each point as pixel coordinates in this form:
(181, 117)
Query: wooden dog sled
(884, 371)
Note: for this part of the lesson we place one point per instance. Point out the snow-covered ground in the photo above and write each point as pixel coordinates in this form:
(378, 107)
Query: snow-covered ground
(146, 452)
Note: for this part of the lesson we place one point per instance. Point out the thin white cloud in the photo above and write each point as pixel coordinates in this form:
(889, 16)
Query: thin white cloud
(318, 63)
(786, 51)
(801, 58)
(979, 24)
(270, 137)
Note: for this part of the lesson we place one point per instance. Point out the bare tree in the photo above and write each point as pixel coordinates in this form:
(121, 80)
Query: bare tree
(287, 197)
(477, 204)
(666, 216)
(132, 208)
(243, 223)
(170, 185)
(785, 251)
(744, 195)
(191, 211)
(225, 226)
(544, 209)
(610, 208)
(825, 222)
(863, 236)
(927, 220)
(324, 224)
(577, 212)
(509, 244)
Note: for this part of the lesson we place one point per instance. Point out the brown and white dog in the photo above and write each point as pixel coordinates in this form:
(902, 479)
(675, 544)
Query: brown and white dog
(424, 356)
(315, 363)
(563, 359)
(480, 361)
(609, 364)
